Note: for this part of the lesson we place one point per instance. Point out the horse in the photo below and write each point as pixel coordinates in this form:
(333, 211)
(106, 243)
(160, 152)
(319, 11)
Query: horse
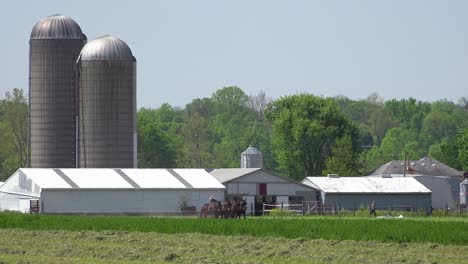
(212, 209)
(226, 209)
(239, 208)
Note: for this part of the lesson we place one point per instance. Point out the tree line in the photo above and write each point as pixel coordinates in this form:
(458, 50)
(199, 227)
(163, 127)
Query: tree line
(299, 135)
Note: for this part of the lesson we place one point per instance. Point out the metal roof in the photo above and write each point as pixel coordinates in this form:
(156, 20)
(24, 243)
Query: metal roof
(426, 166)
(110, 179)
(225, 175)
(366, 185)
(106, 48)
(251, 150)
(57, 27)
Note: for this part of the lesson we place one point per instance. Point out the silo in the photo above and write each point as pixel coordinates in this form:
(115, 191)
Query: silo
(107, 104)
(251, 158)
(55, 43)
(464, 193)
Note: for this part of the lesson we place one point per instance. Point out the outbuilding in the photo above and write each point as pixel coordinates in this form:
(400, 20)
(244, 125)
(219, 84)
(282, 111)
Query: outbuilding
(442, 180)
(109, 191)
(352, 193)
(260, 186)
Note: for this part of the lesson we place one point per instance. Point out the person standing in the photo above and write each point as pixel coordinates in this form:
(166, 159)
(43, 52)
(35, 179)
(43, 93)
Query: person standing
(372, 209)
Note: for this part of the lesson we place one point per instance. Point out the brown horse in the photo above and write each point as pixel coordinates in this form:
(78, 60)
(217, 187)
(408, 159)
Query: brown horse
(212, 209)
(226, 209)
(239, 208)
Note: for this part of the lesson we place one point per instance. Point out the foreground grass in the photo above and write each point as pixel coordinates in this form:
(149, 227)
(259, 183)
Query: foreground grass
(332, 228)
(58, 246)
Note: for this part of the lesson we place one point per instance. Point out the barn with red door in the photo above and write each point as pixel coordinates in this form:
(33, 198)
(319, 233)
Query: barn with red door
(260, 186)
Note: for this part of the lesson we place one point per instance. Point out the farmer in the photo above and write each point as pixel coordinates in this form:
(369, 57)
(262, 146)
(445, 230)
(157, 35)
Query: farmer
(372, 209)
(212, 199)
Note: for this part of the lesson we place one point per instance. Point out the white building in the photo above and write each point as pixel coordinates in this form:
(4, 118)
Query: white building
(109, 191)
(358, 192)
(260, 186)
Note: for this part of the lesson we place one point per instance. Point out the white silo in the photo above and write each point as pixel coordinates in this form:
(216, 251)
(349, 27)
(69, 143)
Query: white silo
(251, 158)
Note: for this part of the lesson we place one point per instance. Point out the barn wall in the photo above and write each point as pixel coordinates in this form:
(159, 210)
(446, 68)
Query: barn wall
(123, 201)
(348, 201)
(442, 190)
(272, 189)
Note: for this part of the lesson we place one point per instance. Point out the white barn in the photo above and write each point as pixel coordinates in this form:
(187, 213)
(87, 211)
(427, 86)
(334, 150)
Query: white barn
(109, 191)
(260, 186)
(358, 192)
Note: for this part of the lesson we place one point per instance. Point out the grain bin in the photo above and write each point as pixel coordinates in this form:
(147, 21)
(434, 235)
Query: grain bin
(107, 103)
(54, 45)
(251, 158)
(464, 193)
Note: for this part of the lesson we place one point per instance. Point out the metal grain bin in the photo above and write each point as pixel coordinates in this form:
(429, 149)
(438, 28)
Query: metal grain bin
(251, 158)
(464, 193)
(55, 43)
(107, 99)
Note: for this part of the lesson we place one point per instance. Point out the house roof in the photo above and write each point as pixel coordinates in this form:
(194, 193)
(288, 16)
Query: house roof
(225, 175)
(366, 185)
(426, 166)
(31, 181)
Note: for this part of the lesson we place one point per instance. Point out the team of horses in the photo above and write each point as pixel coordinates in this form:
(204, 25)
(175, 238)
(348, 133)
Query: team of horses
(224, 209)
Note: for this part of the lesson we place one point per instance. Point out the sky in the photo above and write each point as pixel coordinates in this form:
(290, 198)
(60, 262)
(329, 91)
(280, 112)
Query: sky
(190, 49)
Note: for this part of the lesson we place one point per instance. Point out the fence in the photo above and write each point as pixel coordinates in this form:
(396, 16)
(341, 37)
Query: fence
(282, 207)
(317, 208)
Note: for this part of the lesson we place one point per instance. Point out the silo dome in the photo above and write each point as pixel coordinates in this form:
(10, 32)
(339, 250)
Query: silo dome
(57, 27)
(251, 158)
(106, 48)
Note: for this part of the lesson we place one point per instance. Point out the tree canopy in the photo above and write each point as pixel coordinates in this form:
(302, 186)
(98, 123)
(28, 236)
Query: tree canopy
(299, 135)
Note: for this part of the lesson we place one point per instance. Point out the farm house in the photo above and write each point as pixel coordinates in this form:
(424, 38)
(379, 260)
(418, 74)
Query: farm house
(442, 180)
(109, 191)
(352, 193)
(260, 186)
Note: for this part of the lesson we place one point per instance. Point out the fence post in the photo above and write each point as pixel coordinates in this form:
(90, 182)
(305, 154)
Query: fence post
(354, 209)
(282, 212)
(389, 210)
(251, 209)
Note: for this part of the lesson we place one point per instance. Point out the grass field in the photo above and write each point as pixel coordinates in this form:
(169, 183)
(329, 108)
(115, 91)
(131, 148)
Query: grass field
(360, 229)
(32, 246)
(91, 239)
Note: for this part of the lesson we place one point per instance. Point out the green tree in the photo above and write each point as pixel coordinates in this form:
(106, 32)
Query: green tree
(13, 132)
(344, 160)
(446, 151)
(410, 113)
(462, 145)
(305, 128)
(156, 147)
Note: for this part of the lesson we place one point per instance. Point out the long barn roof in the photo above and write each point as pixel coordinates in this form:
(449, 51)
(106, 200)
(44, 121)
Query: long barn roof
(366, 185)
(31, 181)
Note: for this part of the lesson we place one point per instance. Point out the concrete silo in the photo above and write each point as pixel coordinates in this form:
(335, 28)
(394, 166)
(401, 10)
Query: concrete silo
(107, 103)
(251, 158)
(55, 43)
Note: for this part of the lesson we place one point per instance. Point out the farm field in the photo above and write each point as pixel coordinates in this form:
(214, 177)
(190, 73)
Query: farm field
(93, 239)
(58, 246)
(452, 232)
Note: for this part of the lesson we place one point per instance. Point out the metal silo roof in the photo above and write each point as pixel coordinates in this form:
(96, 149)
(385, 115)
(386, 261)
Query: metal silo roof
(251, 150)
(106, 48)
(57, 27)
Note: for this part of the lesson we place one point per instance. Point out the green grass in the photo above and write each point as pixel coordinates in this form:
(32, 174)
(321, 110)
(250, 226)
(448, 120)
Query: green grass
(451, 232)
(58, 246)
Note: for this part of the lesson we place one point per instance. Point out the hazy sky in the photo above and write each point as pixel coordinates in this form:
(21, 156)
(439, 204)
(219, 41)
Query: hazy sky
(189, 49)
